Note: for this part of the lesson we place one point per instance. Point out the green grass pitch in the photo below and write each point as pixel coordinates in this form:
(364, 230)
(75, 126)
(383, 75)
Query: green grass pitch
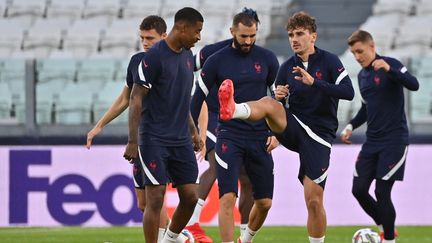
(282, 234)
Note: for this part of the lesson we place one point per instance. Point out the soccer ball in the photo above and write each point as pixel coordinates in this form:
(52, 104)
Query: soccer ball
(366, 236)
(186, 235)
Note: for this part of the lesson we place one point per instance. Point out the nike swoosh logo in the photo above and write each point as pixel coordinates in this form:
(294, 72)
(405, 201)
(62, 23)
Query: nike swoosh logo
(145, 64)
(340, 69)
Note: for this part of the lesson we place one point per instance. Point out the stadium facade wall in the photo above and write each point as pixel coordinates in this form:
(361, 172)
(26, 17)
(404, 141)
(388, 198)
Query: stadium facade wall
(70, 185)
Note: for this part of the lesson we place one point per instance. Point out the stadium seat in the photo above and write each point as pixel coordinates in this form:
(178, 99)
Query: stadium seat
(53, 69)
(5, 102)
(383, 29)
(406, 52)
(82, 38)
(34, 8)
(12, 70)
(421, 102)
(262, 7)
(107, 9)
(218, 8)
(423, 68)
(95, 73)
(415, 30)
(170, 7)
(43, 37)
(404, 7)
(138, 9)
(121, 70)
(65, 9)
(2, 8)
(12, 74)
(62, 54)
(105, 97)
(11, 38)
(74, 105)
(53, 75)
(47, 94)
(120, 38)
(424, 7)
(212, 29)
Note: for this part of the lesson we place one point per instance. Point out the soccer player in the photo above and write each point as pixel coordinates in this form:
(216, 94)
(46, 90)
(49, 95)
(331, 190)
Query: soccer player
(313, 80)
(159, 105)
(382, 157)
(151, 30)
(238, 142)
(208, 177)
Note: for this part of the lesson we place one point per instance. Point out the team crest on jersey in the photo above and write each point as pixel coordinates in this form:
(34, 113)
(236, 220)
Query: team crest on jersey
(318, 74)
(135, 169)
(224, 148)
(257, 67)
(189, 64)
(377, 80)
(153, 165)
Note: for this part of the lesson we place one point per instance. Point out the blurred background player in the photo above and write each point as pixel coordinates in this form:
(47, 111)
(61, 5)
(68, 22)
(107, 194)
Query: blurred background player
(309, 125)
(382, 157)
(168, 136)
(208, 177)
(151, 30)
(241, 143)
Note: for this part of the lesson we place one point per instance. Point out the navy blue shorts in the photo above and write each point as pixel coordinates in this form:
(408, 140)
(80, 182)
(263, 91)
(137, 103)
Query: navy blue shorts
(138, 174)
(314, 152)
(232, 153)
(162, 164)
(212, 131)
(381, 162)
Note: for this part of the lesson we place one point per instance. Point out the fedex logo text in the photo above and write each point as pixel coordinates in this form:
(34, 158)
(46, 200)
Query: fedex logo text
(21, 184)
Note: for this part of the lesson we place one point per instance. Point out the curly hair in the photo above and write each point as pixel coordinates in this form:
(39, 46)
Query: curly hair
(302, 20)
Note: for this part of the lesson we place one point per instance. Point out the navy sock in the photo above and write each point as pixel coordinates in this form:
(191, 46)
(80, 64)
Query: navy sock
(360, 190)
(387, 212)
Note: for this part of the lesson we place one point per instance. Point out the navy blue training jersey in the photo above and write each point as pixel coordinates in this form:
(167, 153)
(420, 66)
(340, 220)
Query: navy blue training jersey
(132, 69)
(316, 105)
(251, 73)
(169, 76)
(383, 102)
(200, 58)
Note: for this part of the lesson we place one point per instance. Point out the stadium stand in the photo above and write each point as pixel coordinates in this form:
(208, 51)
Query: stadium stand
(83, 47)
(64, 10)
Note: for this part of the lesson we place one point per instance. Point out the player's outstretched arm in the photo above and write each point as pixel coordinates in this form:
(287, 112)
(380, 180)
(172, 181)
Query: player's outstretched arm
(357, 121)
(119, 105)
(196, 139)
(138, 93)
(202, 125)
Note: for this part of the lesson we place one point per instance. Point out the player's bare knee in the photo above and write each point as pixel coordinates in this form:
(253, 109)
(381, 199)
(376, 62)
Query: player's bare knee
(263, 204)
(314, 205)
(141, 205)
(228, 200)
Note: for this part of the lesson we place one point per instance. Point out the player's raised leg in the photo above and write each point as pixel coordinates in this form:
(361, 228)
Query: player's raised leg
(266, 107)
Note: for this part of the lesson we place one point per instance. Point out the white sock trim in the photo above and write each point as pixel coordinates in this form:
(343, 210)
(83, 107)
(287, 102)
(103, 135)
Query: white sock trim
(242, 111)
(196, 213)
(316, 240)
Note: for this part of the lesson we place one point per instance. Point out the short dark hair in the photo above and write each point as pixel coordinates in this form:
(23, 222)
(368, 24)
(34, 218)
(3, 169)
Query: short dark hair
(359, 36)
(154, 22)
(244, 18)
(302, 20)
(189, 15)
(252, 13)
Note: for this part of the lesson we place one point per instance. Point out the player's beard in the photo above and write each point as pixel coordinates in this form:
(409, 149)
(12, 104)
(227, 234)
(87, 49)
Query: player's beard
(242, 47)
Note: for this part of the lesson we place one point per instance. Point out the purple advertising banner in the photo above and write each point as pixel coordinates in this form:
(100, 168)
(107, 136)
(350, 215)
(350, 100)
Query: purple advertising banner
(70, 185)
